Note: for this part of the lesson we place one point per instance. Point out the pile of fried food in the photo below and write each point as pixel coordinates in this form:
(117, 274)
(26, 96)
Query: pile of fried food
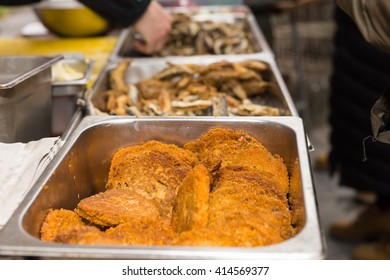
(193, 37)
(221, 189)
(219, 89)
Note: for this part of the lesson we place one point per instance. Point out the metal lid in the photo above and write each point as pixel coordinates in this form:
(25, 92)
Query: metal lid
(16, 69)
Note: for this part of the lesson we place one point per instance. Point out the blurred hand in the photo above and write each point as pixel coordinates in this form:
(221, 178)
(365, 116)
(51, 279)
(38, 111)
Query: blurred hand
(154, 26)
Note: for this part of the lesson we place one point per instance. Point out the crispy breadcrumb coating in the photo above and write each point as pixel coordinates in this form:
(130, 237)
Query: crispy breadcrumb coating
(222, 147)
(154, 170)
(143, 232)
(191, 208)
(86, 235)
(116, 206)
(223, 189)
(57, 221)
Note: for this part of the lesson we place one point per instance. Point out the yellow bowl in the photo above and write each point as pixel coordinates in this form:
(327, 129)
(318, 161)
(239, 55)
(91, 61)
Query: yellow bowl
(70, 19)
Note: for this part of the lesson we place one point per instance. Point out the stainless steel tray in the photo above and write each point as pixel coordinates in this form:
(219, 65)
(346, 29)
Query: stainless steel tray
(124, 47)
(25, 97)
(81, 167)
(74, 69)
(67, 89)
(139, 70)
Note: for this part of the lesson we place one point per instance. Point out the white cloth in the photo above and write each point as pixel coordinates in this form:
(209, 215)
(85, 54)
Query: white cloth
(20, 166)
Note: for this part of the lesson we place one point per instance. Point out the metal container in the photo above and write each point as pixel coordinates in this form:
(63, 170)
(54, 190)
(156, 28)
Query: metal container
(69, 83)
(279, 97)
(229, 14)
(25, 97)
(81, 167)
(70, 19)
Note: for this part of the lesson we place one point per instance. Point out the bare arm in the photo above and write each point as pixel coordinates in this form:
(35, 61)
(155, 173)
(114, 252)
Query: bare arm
(147, 17)
(154, 26)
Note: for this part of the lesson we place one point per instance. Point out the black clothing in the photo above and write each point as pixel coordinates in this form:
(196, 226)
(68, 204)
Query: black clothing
(118, 12)
(361, 73)
(17, 2)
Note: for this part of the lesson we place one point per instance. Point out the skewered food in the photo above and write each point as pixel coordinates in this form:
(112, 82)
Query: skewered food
(222, 189)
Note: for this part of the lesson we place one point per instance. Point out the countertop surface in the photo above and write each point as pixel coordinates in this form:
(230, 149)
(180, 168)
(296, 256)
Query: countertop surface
(14, 40)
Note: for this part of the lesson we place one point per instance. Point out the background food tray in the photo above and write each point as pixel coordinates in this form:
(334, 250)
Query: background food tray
(125, 49)
(81, 167)
(139, 70)
(69, 83)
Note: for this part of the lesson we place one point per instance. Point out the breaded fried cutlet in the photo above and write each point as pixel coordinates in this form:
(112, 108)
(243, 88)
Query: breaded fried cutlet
(245, 179)
(222, 147)
(86, 235)
(180, 153)
(191, 207)
(154, 170)
(257, 159)
(143, 232)
(220, 236)
(57, 221)
(242, 195)
(116, 206)
(268, 226)
(207, 237)
(264, 212)
(223, 189)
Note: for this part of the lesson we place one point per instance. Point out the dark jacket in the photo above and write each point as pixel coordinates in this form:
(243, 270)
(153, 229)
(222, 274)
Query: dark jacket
(118, 12)
(372, 18)
(361, 73)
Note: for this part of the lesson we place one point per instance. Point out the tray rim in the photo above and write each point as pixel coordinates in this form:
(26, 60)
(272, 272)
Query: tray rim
(308, 244)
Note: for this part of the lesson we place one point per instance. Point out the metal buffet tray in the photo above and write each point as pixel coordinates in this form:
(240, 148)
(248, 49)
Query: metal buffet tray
(139, 70)
(124, 47)
(25, 97)
(81, 167)
(67, 91)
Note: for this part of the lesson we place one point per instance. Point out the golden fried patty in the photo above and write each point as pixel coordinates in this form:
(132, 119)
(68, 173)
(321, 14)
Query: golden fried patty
(86, 235)
(254, 198)
(221, 147)
(220, 236)
(142, 232)
(116, 206)
(57, 221)
(154, 170)
(191, 207)
(159, 194)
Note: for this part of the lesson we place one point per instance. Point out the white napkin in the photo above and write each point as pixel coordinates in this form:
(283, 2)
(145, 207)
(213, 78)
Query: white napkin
(20, 166)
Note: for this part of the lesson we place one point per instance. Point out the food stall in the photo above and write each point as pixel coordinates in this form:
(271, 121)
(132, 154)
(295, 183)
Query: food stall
(210, 78)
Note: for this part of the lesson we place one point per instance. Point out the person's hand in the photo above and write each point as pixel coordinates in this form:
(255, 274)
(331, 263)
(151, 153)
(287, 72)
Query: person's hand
(154, 26)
